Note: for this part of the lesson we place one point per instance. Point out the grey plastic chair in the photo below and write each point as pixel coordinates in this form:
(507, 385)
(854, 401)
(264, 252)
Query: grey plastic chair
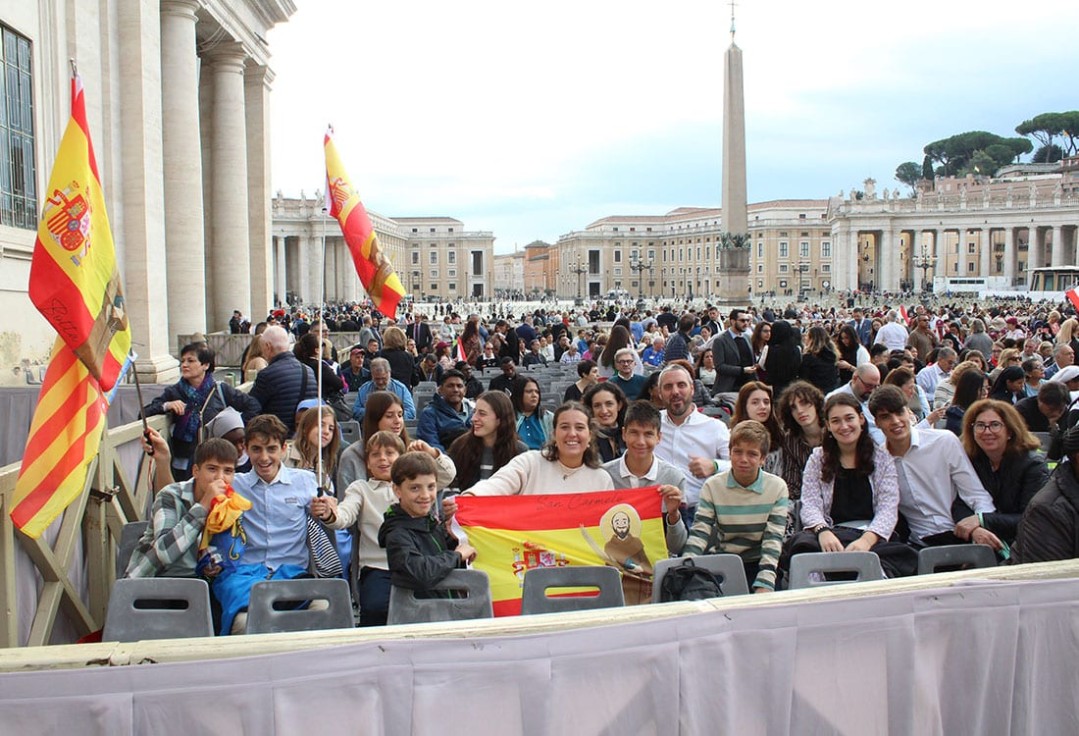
(725, 566)
(129, 540)
(350, 431)
(965, 556)
(808, 569)
(158, 608)
(538, 580)
(472, 587)
(264, 618)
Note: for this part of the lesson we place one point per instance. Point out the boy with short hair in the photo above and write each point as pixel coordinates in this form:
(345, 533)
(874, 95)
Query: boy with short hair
(743, 510)
(276, 524)
(638, 466)
(363, 508)
(420, 551)
(169, 546)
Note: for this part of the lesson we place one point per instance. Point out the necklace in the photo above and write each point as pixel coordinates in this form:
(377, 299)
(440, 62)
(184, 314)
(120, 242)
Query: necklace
(568, 472)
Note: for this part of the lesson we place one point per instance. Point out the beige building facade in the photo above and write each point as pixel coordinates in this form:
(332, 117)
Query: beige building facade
(988, 232)
(435, 257)
(177, 98)
(674, 256)
(509, 275)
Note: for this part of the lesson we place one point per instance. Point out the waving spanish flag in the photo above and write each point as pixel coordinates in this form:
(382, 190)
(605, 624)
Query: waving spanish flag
(513, 534)
(375, 270)
(74, 281)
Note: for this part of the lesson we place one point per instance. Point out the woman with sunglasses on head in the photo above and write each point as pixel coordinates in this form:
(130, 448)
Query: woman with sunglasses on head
(1006, 458)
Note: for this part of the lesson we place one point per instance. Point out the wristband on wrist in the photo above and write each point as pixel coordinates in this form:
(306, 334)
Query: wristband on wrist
(981, 522)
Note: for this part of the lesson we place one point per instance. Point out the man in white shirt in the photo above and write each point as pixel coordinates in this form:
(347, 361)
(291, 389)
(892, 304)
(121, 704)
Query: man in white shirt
(892, 335)
(694, 443)
(933, 470)
(930, 376)
(640, 467)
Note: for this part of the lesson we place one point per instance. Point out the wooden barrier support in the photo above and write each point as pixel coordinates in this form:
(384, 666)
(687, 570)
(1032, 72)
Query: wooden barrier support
(109, 500)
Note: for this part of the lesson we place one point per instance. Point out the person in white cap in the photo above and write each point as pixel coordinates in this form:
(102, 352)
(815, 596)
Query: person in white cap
(229, 425)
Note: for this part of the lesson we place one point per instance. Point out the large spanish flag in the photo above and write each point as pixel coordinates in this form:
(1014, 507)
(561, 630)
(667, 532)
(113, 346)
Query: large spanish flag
(375, 270)
(74, 280)
(513, 534)
(64, 436)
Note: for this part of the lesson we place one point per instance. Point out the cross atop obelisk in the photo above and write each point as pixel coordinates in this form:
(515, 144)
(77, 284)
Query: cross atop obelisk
(732, 4)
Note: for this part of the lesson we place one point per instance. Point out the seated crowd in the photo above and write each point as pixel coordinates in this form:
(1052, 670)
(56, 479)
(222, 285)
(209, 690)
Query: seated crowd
(767, 436)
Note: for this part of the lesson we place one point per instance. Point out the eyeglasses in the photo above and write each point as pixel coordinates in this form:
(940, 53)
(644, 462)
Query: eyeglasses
(993, 427)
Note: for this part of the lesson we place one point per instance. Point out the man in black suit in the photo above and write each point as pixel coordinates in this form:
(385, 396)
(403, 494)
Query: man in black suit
(420, 331)
(863, 327)
(733, 357)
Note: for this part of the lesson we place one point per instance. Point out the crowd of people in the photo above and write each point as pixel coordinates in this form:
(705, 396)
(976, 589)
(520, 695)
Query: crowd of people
(768, 433)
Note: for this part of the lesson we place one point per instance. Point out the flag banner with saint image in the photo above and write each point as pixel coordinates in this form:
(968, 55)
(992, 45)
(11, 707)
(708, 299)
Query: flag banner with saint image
(513, 534)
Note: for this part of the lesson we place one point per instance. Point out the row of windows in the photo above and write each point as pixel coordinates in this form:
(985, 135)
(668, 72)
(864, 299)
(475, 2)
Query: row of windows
(18, 173)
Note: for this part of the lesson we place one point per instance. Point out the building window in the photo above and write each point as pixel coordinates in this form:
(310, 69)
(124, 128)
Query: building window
(760, 268)
(18, 187)
(433, 287)
(415, 258)
(651, 255)
(972, 248)
(783, 268)
(803, 249)
(433, 257)
(415, 230)
(826, 268)
(477, 263)
(451, 230)
(618, 256)
(451, 257)
(618, 272)
(784, 250)
(760, 283)
(452, 286)
(760, 249)
(782, 284)
(825, 249)
(432, 229)
(452, 273)
(970, 268)
(433, 273)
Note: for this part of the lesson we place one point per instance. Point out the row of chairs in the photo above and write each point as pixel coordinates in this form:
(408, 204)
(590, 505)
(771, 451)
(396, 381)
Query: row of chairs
(149, 608)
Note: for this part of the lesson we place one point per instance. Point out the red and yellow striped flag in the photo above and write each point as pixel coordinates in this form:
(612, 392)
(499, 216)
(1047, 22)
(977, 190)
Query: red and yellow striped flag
(513, 534)
(64, 435)
(375, 270)
(74, 281)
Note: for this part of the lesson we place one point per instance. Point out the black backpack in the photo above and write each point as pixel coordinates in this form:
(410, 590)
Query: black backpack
(687, 582)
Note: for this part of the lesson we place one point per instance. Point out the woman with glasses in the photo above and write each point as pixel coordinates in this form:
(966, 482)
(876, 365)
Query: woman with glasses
(1004, 455)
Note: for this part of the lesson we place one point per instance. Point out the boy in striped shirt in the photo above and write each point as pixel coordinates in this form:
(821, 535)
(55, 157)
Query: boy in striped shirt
(743, 510)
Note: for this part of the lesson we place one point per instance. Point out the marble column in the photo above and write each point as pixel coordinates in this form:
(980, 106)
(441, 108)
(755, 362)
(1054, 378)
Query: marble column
(305, 253)
(138, 226)
(1010, 260)
(182, 151)
(855, 259)
(257, 81)
(282, 268)
(888, 258)
(985, 253)
(1035, 248)
(229, 271)
(940, 250)
(1060, 257)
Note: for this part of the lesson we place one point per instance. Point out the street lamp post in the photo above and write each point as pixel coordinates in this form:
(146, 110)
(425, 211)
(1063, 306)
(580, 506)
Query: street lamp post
(579, 270)
(925, 262)
(640, 266)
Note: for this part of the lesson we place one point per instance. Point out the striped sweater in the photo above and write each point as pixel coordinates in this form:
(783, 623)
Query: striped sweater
(748, 522)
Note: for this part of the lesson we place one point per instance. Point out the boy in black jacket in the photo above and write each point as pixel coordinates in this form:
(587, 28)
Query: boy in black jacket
(419, 550)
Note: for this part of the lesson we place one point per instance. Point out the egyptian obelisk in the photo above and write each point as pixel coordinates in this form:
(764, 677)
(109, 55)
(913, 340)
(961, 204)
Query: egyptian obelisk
(733, 278)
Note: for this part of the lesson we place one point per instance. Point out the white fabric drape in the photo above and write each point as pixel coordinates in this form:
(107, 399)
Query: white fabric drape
(985, 657)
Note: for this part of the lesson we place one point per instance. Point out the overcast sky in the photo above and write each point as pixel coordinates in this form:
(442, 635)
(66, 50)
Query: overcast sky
(533, 120)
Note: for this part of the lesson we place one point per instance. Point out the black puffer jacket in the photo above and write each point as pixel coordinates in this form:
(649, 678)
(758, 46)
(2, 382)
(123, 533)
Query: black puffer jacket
(419, 549)
(278, 387)
(1050, 526)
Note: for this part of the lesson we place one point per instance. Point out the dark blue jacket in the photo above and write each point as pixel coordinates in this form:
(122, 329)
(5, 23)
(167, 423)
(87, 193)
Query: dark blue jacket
(439, 424)
(278, 387)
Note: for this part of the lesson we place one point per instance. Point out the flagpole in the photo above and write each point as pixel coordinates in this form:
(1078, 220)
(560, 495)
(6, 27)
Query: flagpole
(322, 324)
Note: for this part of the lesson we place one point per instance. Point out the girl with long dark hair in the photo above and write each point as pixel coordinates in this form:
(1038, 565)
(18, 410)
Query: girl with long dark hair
(489, 444)
(850, 493)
